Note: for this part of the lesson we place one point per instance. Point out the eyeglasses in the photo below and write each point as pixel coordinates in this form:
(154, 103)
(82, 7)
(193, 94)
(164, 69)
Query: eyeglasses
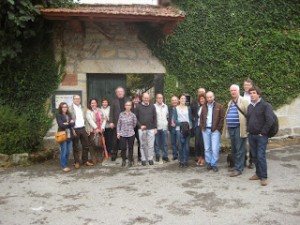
(65, 107)
(127, 105)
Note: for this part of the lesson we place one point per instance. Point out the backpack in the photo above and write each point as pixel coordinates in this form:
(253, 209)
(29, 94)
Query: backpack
(275, 127)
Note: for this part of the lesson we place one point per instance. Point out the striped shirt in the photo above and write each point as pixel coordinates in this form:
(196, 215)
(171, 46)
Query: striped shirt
(126, 124)
(232, 117)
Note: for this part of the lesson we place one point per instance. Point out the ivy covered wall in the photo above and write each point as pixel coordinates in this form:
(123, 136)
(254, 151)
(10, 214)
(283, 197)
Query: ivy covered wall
(224, 42)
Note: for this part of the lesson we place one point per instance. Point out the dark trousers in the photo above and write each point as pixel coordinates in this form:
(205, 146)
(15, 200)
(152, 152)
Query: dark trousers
(258, 146)
(115, 143)
(96, 152)
(136, 131)
(124, 141)
(82, 136)
(108, 139)
(199, 144)
(238, 148)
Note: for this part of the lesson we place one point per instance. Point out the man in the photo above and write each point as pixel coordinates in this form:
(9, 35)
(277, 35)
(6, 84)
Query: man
(247, 85)
(78, 113)
(172, 127)
(259, 121)
(147, 122)
(212, 119)
(237, 129)
(117, 106)
(161, 137)
(136, 101)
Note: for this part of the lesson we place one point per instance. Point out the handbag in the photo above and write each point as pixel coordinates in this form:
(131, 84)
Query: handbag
(98, 140)
(60, 136)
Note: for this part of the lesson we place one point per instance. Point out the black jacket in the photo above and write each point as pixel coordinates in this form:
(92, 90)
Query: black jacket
(259, 118)
(171, 111)
(61, 119)
(115, 110)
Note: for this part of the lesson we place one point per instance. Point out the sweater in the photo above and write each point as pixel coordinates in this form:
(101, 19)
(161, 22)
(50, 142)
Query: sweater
(146, 116)
(259, 118)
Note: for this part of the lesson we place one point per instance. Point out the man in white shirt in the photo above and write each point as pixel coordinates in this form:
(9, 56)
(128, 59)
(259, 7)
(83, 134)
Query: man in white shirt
(77, 111)
(161, 137)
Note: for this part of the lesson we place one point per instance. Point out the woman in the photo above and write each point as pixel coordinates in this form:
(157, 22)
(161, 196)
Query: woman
(108, 133)
(125, 132)
(199, 144)
(183, 120)
(65, 123)
(95, 124)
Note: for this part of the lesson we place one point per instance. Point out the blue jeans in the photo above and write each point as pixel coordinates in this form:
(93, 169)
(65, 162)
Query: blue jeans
(174, 139)
(161, 142)
(199, 145)
(65, 149)
(183, 148)
(212, 146)
(258, 146)
(238, 148)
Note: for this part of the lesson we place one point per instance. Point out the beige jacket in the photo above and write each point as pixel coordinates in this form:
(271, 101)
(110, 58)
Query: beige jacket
(243, 105)
(92, 121)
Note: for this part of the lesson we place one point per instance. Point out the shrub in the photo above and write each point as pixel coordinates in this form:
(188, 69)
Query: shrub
(17, 135)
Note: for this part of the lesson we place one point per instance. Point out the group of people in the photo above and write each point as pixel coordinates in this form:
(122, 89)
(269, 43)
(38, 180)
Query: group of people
(124, 120)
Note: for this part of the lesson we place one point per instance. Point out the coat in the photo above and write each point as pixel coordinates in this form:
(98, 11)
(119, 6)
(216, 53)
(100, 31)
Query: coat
(243, 105)
(115, 111)
(217, 120)
(92, 120)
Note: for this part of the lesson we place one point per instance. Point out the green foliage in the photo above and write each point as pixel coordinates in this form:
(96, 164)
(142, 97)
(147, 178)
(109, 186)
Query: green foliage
(25, 86)
(224, 42)
(18, 23)
(29, 74)
(16, 18)
(17, 135)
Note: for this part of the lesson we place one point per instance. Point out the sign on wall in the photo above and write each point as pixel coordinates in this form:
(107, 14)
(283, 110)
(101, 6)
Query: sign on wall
(63, 96)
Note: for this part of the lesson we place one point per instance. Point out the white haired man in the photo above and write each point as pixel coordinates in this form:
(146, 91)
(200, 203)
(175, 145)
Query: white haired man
(236, 124)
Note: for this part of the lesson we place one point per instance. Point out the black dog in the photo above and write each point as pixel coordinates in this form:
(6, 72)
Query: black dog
(230, 160)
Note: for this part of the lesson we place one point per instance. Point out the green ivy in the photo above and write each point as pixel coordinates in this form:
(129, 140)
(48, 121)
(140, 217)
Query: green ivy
(29, 74)
(224, 42)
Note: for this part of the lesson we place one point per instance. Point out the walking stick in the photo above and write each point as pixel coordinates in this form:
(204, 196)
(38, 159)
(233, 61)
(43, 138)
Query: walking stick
(104, 147)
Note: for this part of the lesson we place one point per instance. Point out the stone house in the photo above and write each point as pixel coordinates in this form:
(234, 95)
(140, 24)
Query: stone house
(101, 45)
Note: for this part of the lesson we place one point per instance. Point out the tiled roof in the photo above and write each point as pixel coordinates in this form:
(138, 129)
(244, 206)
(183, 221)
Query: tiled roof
(116, 11)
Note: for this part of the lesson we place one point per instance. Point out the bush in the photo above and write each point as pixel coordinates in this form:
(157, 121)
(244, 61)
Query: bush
(17, 135)
(26, 84)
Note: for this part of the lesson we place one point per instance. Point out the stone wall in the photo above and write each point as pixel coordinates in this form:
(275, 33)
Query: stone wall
(102, 47)
(289, 119)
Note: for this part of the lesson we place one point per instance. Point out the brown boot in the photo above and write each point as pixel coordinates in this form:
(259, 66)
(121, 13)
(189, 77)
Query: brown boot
(67, 169)
(254, 177)
(264, 182)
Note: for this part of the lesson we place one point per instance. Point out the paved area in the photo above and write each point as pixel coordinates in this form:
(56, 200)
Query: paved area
(159, 194)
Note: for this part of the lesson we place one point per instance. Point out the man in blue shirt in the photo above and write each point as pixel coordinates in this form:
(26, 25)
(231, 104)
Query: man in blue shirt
(237, 129)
